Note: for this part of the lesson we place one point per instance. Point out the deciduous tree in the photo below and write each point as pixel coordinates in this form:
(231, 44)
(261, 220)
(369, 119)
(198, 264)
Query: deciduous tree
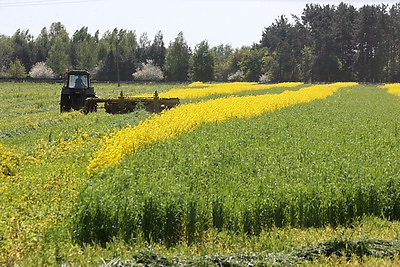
(22, 44)
(6, 51)
(202, 63)
(84, 49)
(16, 70)
(41, 71)
(59, 57)
(177, 59)
(148, 72)
(157, 50)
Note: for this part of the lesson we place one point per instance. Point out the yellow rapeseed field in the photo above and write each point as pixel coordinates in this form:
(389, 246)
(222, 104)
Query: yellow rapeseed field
(392, 88)
(199, 89)
(36, 193)
(8, 161)
(185, 118)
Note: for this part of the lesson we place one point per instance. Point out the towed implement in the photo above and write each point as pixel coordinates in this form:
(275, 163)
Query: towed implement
(77, 94)
(124, 104)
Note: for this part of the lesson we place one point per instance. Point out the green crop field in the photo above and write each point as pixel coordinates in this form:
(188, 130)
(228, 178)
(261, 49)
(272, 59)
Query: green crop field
(312, 182)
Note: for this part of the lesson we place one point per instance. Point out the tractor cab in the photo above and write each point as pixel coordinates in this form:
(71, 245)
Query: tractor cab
(75, 90)
(78, 80)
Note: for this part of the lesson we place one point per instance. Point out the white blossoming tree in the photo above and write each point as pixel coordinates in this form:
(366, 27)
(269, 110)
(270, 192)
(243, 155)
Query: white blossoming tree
(238, 76)
(148, 72)
(41, 71)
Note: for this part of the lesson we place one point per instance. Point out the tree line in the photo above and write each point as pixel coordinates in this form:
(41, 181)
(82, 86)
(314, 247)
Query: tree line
(335, 43)
(326, 43)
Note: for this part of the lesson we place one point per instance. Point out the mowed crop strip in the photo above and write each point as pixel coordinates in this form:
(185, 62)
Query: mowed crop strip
(43, 158)
(185, 118)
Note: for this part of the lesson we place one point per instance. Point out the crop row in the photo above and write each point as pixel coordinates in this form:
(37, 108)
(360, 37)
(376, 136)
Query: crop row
(327, 162)
(185, 118)
(199, 89)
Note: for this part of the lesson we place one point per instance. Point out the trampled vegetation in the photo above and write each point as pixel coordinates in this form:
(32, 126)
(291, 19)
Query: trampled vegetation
(257, 184)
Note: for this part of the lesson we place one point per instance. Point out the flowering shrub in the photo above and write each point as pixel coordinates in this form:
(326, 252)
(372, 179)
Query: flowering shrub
(148, 72)
(185, 118)
(264, 79)
(236, 77)
(41, 71)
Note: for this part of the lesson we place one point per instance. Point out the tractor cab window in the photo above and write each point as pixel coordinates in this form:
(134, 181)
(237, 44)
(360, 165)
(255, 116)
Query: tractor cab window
(78, 81)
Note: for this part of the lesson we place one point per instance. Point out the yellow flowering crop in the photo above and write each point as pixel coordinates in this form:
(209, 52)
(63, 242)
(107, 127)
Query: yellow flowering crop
(185, 118)
(392, 88)
(45, 150)
(9, 161)
(199, 89)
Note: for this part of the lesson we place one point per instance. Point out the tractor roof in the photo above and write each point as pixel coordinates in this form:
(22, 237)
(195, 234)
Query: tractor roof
(78, 72)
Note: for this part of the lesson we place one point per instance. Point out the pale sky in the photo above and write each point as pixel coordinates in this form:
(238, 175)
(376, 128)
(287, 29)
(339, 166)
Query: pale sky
(234, 22)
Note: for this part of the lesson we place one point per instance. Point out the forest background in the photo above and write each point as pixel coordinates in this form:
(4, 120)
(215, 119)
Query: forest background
(326, 43)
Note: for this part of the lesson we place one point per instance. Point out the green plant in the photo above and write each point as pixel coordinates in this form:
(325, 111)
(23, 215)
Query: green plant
(16, 70)
(324, 163)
